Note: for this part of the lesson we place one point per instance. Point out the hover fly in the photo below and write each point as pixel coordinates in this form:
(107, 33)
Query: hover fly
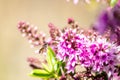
(43, 48)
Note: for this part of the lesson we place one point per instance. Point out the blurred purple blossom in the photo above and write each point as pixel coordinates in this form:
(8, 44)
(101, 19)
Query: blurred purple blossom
(109, 21)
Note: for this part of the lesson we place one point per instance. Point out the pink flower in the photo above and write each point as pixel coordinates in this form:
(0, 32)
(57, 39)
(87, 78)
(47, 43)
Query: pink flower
(31, 33)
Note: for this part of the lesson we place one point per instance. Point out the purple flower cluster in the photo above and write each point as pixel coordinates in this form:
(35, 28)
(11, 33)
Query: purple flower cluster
(93, 51)
(101, 56)
(70, 46)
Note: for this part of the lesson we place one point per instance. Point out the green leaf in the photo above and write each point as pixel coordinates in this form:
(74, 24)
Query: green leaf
(46, 67)
(113, 2)
(51, 58)
(50, 70)
(58, 68)
(40, 73)
(61, 65)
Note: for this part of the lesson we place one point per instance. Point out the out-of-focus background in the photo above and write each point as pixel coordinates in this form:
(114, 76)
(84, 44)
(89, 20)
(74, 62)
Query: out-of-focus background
(14, 49)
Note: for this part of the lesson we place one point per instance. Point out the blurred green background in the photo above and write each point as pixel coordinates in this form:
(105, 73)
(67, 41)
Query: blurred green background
(14, 49)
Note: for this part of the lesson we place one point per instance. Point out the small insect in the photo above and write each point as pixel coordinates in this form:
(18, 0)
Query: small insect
(43, 48)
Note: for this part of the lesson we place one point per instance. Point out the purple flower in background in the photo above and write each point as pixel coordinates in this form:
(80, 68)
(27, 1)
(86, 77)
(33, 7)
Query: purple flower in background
(102, 24)
(118, 2)
(109, 21)
(115, 16)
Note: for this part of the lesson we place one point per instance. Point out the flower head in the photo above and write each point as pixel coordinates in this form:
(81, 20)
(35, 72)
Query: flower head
(70, 46)
(78, 47)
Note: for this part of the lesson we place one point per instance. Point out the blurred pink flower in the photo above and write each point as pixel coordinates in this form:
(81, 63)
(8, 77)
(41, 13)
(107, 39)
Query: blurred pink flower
(31, 33)
(87, 1)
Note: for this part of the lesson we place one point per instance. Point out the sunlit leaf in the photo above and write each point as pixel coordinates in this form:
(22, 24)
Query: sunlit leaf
(50, 70)
(40, 73)
(46, 67)
(51, 58)
(113, 2)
